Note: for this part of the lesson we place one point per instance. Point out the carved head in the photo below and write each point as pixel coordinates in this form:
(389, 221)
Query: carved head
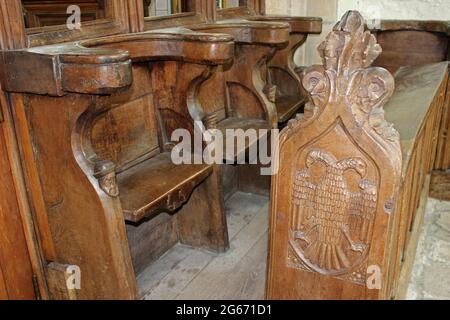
(360, 166)
(108, 183)
(105, 172)
(356, 164)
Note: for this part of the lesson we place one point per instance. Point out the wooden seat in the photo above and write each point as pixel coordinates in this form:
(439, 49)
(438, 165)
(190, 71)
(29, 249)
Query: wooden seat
(241, 151)
(348, 200)
(158, 185)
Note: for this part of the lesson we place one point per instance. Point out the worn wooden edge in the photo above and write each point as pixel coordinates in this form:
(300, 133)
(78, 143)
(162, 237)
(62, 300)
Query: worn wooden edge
(414, 25)
(440, 185)
(411, 247)
(80, 67)
(249, 32)
(409, 131)
(172, 44)
(57, 279)
(165, 202)
(309, 25)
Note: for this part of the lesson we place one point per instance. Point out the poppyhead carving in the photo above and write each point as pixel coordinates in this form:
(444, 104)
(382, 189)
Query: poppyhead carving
(346, 77)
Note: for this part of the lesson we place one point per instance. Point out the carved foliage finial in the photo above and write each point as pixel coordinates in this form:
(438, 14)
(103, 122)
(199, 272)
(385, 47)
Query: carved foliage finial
(346, 77)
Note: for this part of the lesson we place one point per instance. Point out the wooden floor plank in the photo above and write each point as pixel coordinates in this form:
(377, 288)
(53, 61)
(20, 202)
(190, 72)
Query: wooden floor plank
(247, 280)
(241, 208)
(181, 275)
(156, 272)
(167, 277)
(212, 281)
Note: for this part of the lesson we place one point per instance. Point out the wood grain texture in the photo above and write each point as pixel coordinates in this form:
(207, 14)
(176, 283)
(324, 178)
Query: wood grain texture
(85, 203)
(45, 13)
(427, 41)
(339, 174)
(170, 276)
(15, 264)
(237, 98)
(411, 248)
(114, 19)
(289, 97)
(303, 244)
(443, 156)
(440, 185)
(185, 273)
(27, 255)
(199, 11)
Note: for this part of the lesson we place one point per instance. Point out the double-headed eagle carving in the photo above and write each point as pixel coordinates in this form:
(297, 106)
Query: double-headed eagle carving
(331, 225)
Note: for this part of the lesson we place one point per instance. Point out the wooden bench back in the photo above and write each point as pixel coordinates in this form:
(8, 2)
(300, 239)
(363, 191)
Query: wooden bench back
(129, 132)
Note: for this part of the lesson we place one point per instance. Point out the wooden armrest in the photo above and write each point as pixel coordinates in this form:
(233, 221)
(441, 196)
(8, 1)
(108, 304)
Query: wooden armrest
(250, 32)
(103, 66)
(171, 44)
(309, 25)
(58, 69)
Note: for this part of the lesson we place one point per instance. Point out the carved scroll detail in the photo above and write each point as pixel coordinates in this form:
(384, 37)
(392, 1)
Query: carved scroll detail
(347, 78)
(330, 225)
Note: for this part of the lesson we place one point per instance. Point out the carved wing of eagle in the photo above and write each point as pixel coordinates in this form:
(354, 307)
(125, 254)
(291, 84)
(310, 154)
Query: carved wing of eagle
(362, 210)
(302, 195)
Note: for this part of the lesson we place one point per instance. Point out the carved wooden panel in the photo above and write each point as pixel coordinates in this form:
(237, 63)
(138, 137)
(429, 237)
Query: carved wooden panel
(128, 132)
(339, 172)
